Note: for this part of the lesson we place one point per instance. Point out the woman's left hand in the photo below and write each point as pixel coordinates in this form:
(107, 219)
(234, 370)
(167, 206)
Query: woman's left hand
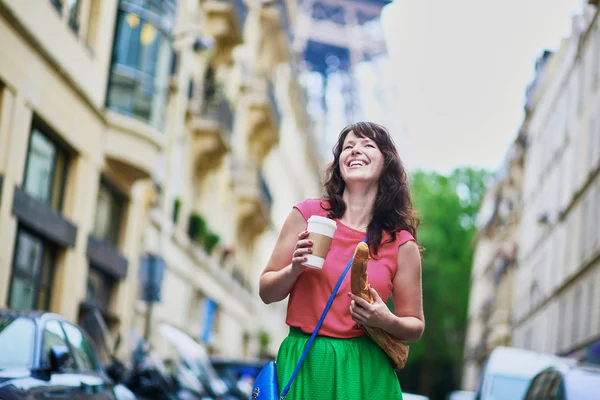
(375, 315)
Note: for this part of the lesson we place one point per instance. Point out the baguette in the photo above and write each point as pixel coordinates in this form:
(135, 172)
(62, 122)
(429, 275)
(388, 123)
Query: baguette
(396, 350)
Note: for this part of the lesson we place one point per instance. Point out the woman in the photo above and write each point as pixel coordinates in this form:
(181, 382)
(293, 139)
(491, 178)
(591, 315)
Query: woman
(367, 195)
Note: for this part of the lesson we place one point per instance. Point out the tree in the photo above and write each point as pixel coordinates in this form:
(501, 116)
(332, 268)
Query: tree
(447, 207)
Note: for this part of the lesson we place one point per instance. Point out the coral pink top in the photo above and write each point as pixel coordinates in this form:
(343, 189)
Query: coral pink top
(314, 287)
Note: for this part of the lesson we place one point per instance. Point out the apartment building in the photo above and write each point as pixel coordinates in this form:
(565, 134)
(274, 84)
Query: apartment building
(558, 280)
(147, 150)
(492, 283)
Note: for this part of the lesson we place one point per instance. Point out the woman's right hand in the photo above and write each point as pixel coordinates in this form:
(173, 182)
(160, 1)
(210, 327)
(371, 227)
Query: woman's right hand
(303, 247)
(279, 275)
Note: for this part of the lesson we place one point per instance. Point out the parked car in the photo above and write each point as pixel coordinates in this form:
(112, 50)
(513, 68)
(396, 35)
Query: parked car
(148, 377)
(155, 378)
(43, 355)
(508, 372)
(238, 375)
(411, 396)
(192, 359)
(461, 395)
(579, 382)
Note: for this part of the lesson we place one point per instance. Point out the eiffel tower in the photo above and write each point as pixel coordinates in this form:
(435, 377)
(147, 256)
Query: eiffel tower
(333, 38)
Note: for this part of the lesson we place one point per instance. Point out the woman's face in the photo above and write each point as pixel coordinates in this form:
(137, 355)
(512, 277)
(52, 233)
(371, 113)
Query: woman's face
(360, 160)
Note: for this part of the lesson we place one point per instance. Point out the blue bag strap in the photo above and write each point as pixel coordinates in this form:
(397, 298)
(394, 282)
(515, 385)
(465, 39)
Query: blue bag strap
(314, 334)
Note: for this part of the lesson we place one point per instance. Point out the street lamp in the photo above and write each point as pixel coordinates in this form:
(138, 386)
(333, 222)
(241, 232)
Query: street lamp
(151, 276)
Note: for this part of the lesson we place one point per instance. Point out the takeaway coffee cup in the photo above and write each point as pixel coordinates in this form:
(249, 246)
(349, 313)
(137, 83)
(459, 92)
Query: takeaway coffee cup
(320, 231)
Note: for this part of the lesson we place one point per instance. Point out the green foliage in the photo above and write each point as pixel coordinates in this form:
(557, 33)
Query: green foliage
(210, 241)
(264, 339)
(447, 207)
(199, 232)
(176, 208)
(196, 227)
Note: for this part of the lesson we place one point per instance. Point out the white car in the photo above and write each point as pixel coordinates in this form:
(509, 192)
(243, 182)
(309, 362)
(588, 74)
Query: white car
(411, 396)
(461, 395)
(509, 370)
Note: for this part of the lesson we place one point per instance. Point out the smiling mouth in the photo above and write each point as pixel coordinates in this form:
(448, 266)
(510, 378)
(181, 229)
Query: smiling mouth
(356, 164)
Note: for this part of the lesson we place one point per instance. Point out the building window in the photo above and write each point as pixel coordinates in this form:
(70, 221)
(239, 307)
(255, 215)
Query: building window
(45, 169)
(100, 287)
(73, 9)
(141, 60)
(575, 331)
(596, 226)
(109, 212)
(581, 89)
(591, 226)
(562, 314)
(591, 145)
(57, 4)
(596, 57)
(588, 331)
(596, 143)
(584, 239)
(33, 270)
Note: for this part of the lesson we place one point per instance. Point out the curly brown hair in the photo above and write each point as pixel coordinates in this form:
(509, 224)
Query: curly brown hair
(393, 209)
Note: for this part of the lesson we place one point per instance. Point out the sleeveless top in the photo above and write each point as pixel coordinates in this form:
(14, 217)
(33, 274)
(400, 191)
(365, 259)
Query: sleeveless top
(312, 289)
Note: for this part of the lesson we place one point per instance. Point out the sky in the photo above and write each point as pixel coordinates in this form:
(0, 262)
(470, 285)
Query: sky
(461, 69)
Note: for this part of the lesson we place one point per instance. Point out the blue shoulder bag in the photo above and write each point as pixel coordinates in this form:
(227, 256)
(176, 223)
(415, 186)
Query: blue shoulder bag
(265, 385)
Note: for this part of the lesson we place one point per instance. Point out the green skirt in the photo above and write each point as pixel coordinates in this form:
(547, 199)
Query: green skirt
(336, 369)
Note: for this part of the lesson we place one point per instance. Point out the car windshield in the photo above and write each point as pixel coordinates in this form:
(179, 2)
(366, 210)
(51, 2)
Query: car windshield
(16, 342)
(508, 387)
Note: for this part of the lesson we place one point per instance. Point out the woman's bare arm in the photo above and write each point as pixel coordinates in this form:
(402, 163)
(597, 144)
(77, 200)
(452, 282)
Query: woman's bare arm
(408, 322)
(285, 264)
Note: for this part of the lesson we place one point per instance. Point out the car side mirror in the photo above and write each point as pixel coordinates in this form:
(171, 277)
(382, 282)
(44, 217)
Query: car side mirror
(59, 356)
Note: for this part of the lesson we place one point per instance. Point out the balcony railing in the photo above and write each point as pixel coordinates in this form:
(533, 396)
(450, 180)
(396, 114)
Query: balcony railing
(219, 109)
(239, 277)
(250, 183)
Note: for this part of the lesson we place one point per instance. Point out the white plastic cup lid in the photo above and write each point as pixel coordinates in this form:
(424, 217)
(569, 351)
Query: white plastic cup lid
(322, 220)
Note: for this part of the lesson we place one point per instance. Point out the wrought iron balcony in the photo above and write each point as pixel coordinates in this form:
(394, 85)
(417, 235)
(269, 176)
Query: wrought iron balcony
(263, 127)
(132, 146)
(225, 20)
(238, 276)
(211, 126)
(219, 110)
(275, 34)
(254, 200)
